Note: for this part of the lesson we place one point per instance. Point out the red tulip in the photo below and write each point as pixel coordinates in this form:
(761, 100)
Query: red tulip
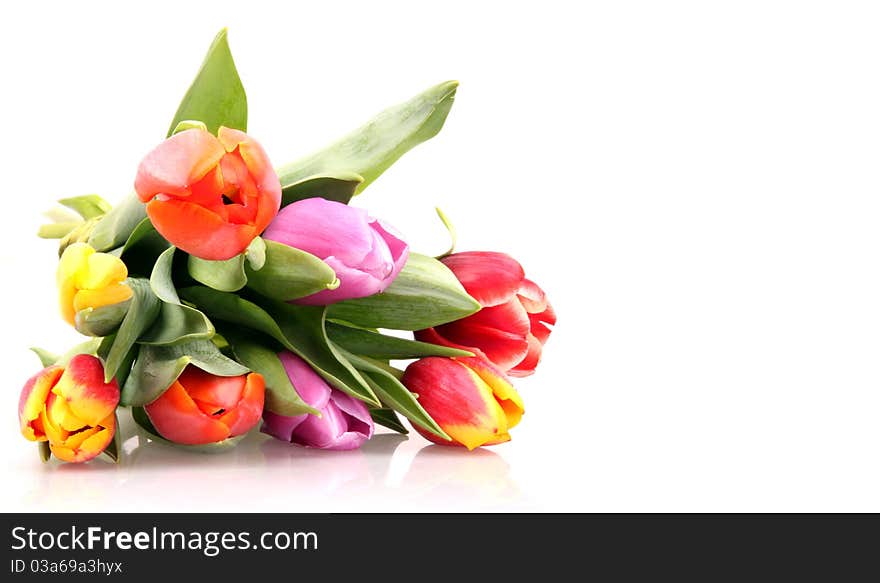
(201, 408)
(515, 319)
(209, 196)
(469, 398)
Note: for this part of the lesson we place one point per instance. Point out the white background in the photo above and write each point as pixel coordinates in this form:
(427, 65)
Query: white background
(694, 184)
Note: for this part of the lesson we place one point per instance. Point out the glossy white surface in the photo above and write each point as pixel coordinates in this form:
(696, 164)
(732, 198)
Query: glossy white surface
(695, 184)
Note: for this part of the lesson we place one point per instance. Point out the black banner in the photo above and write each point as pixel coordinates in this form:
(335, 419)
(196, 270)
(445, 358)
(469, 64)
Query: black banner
(40, 547)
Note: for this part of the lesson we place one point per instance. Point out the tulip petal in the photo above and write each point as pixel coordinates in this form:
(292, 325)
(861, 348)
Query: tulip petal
(96, 298)
(502, 389)
(177, 163)
(532, 297)
(353, 283)
(324, 228)
(490, 278)
(102, 270)
(281, 426)
(458, 399)
(308, 384)
(87, 444)
(213, 391)
(527, 366)
(32, 402)
(245, 415)
(198, 231)
(333, 430)
(82, 386)
(504, 348)
(177, 418)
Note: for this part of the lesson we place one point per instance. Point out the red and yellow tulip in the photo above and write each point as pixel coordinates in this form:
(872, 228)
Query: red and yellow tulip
(209, 195)
(88, 279)
(201, 408)
(469, 398)
(71, 407)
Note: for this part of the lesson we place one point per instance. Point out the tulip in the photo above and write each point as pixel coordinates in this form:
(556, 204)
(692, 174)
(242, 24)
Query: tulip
(201, 408)
(71, 407)
(345, 422)
(88, 279)
(365, 253)
(515, 318)
(209, 196)
(469, 398)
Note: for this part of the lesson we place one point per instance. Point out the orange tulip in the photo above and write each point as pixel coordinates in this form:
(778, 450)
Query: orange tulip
(209, 196)
(201, 408)
(70, 407)
(469, 398)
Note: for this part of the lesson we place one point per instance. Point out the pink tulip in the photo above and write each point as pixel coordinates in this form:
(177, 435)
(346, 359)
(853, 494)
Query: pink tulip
(365, 253)
(345, 422)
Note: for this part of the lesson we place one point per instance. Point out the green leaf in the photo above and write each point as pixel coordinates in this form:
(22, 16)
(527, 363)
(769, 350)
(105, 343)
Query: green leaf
(450, 228)
(176, 322)
(281, 395)
(375, 345)
(256, 254)
(340, 187)
(114, 228)
(189, 124)
(57, 230)
(141, 313)
(90, 346)
(44, 451)
(289, 273)
(46, 358)
(87, 206)
(394, 395)
(141, 230)
(157, 367)
(139, 415)
(371, 149)
(425, 294)
(227, 275)
(216, 96)
(101, 321)
(300, 329)
(388, 418)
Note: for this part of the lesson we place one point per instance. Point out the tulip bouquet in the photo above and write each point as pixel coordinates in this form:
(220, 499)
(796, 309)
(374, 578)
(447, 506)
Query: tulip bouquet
(224, 293)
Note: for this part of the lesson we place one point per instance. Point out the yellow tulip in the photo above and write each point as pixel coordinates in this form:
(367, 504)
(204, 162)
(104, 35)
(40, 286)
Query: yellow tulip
(88, 279)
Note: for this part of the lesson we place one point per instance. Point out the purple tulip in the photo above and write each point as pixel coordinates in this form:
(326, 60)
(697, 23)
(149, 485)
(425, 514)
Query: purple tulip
(345, 422)
(365, 253)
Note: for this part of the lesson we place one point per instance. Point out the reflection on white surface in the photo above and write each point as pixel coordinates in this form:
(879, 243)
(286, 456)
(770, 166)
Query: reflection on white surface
(389, 473)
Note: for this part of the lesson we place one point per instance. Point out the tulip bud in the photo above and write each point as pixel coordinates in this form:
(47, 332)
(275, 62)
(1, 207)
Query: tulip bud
(209, 196)
(469, 398)
(515, 318)
(345, 422)
(70, 407)
(365, 253)
(201, 408)
(91, 287)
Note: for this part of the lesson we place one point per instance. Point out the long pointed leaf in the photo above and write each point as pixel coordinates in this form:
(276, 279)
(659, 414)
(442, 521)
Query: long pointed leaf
(371, 149)
(141, 313)
(375, 345)
(216, 96)
(424, 294)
